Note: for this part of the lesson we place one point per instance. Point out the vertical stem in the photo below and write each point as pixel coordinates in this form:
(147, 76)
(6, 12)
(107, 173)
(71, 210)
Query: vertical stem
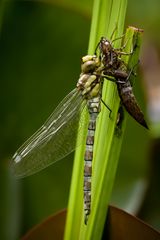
(107, 15)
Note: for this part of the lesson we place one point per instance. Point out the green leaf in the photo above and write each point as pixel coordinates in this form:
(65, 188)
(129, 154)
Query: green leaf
(107, 15)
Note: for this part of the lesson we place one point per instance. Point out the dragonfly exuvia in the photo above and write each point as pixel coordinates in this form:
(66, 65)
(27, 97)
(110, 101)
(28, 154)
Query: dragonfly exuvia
(57, 136)
(115, 67)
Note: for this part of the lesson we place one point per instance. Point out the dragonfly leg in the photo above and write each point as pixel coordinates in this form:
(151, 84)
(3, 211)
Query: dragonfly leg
(108, 78)
(113, 32)
(119, 51)
(95, 52)
(132, 71)
(118, 38)
(110, 111)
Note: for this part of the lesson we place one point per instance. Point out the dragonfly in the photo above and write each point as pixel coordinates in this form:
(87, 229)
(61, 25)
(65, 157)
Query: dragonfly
(57, 136)
(115, 67)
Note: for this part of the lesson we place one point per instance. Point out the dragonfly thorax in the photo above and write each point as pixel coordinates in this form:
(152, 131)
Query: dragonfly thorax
(89, 85)
(89, 81)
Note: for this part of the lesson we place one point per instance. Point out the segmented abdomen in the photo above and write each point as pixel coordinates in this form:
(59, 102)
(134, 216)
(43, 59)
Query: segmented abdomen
(129, 102)
(94, 109)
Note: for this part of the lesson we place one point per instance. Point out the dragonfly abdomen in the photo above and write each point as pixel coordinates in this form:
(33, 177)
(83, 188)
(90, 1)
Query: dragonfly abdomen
(130, 103)
(94, 109)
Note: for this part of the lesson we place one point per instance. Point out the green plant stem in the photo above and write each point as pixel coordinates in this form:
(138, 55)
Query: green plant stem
(107, 15)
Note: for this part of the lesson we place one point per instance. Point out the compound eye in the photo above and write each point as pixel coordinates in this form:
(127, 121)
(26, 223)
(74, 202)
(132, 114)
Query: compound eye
(88, 58)
(88, 66)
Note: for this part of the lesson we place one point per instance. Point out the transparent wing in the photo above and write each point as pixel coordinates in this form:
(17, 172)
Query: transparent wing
(53, 141)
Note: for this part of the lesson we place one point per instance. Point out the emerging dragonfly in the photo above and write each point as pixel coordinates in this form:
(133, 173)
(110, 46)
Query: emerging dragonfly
(115, 67)
(57, 137)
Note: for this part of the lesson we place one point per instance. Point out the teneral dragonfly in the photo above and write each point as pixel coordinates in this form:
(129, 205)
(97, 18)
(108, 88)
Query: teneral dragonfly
(57, 137)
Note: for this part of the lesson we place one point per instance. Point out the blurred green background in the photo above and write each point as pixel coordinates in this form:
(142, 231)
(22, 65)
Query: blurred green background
(41, 44)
